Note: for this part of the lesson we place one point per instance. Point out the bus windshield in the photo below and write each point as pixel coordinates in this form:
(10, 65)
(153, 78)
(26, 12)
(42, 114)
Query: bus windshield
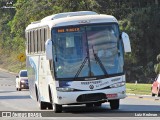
(87, 51)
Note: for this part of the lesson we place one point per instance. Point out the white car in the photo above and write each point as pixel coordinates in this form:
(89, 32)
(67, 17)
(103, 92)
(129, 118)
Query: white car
(22, 80)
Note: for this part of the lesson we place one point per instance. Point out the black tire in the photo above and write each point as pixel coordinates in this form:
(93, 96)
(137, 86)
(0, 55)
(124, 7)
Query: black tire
(153, 94)
(50, 107)
(97, 104)
(19, 89)
(57, 108)
(114, 104)
(89, 105)
(43, 105)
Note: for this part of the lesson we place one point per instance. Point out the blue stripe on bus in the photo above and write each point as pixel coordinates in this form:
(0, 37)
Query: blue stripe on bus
(35, 68)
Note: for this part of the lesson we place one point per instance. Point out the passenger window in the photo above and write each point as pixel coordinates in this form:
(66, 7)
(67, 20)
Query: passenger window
(35, 36)
(45, 37)
(28, 43)
(30, 48)
(39, 40)
(42, 39)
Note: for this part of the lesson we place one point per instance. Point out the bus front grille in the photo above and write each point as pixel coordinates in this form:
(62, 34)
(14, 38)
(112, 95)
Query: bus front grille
(91, 97)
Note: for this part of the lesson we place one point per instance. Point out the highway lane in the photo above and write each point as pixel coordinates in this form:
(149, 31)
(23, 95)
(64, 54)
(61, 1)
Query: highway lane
(12, 100)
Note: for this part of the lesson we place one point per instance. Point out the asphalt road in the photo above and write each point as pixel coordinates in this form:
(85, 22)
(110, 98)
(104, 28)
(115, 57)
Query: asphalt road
(132, 106)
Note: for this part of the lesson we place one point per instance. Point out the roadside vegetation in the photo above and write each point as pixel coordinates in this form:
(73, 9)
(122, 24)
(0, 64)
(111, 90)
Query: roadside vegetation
(138, 89)
(10, 62)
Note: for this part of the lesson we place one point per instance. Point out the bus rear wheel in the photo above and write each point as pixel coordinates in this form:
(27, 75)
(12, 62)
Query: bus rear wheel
(114, 104)
(43, 105)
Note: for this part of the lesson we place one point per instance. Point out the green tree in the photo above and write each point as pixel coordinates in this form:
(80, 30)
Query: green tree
(7, 13)
(76, 5)
(27, 11)
(143, 28)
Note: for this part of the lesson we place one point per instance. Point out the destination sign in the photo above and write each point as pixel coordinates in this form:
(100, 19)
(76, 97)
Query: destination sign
(62, 30)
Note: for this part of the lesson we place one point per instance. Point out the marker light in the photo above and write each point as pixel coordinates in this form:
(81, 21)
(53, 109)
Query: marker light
(65, 89)
(117, 84)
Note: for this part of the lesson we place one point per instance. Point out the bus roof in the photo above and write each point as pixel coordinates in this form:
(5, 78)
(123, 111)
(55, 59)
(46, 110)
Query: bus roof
(72, 18)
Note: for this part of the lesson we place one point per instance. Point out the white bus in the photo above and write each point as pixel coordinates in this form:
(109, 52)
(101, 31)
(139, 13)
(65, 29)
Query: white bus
(76, 58)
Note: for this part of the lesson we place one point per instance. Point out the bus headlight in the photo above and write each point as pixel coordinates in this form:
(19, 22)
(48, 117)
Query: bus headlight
(65, 89)
(117, 85)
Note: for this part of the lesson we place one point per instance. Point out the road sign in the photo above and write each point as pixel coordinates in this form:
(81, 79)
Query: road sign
(21, 57)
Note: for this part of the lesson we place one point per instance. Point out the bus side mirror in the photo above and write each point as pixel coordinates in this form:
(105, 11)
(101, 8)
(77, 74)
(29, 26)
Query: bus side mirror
(126, 42)
(48, 46)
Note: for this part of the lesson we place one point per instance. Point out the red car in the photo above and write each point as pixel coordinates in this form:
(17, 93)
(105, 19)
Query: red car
(156, 86)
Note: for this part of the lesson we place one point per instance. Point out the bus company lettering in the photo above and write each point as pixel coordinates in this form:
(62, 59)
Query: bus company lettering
(96, 83)
(102, 84)
(91, 82)
(116, 79)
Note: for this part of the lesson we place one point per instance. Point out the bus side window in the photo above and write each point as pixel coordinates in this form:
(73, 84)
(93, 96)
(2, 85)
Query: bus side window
(35, 36)
(39, 40)
(30, 42)
(42, 39)
(33, 41)
(45, 37)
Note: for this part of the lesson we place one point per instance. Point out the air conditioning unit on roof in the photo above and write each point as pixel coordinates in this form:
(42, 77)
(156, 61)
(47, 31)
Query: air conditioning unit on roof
(68, 14)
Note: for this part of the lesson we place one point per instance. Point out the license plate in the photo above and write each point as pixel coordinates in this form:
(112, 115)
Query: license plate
(111, 95)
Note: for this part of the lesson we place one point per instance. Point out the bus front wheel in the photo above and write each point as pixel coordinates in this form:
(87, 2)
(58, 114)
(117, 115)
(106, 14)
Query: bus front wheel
(114, 104)
(57, 108)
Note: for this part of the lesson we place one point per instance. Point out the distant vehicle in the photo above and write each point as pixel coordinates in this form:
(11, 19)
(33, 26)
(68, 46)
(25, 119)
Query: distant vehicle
(22, 80)
(156, 86)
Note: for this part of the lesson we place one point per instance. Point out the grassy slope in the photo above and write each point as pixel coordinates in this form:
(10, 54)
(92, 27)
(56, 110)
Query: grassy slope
(144, 89)
(10, 62)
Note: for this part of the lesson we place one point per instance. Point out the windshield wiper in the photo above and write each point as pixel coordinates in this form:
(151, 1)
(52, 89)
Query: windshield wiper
(99, 62)
(81, 67)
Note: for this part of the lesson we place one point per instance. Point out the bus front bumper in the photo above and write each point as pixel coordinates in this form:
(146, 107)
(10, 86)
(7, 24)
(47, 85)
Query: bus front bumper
(82, 97)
